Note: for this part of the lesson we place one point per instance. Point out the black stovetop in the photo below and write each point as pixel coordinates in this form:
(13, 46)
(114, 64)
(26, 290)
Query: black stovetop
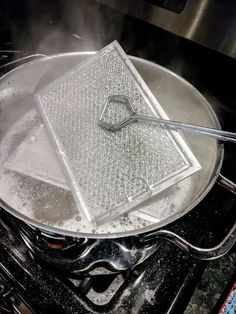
(165, 282)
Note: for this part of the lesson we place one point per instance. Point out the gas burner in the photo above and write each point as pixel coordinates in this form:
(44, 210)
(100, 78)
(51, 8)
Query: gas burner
(137, 289)
(100, 289)
(87, 257)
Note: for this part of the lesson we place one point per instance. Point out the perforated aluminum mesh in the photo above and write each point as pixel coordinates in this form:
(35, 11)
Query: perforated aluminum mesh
(35, 157)
(106, 170)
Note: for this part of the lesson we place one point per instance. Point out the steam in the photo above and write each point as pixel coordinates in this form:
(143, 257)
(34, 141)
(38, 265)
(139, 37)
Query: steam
(67, 26)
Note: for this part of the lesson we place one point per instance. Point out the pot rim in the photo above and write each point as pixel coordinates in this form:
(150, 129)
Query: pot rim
(146, 229)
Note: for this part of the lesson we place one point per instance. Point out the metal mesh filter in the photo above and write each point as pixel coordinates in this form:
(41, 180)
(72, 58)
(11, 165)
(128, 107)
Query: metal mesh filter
(41, 162)
(111, 172)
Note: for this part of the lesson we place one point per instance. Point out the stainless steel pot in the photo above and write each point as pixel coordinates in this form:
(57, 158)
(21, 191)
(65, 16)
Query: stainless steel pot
(33, 201)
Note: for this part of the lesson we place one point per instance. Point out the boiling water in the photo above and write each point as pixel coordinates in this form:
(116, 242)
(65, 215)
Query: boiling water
(55, 206)
(51, 206)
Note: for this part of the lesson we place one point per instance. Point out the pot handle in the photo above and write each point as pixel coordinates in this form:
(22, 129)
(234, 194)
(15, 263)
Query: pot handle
(201, 253)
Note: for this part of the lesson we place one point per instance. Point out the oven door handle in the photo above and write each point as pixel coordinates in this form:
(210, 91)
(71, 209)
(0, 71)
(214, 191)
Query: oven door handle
(201, 253)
